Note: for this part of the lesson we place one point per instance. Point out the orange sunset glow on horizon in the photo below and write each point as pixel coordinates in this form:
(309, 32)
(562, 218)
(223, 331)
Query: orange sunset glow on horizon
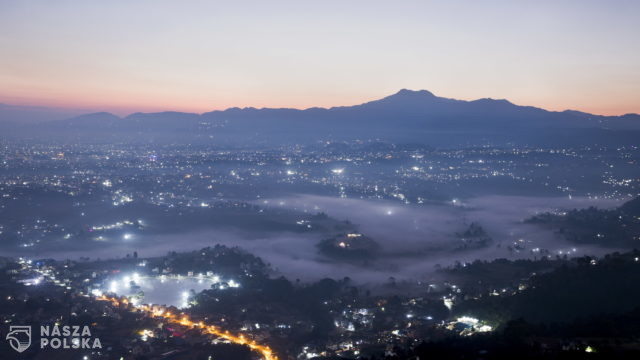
(163, 55)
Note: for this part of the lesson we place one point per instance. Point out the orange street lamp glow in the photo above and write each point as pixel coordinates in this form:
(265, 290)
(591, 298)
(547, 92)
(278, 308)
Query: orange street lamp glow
(159, 312)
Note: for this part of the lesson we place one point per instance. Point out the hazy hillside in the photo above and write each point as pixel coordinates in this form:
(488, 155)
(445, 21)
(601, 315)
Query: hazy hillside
(407, 116)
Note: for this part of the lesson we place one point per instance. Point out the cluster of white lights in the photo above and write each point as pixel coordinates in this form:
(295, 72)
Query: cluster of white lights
(125, 283)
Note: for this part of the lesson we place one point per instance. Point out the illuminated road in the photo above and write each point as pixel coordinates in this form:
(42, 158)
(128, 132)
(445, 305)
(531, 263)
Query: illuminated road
(161, 312)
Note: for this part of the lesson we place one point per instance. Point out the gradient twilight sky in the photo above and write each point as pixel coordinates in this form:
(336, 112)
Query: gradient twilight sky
(128, 55)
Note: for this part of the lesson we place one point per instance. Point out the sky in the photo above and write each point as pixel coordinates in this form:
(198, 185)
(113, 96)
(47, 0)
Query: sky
(152, 55)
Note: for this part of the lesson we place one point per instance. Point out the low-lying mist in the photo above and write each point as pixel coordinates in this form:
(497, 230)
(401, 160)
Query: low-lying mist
(413, 239)
(416, 238)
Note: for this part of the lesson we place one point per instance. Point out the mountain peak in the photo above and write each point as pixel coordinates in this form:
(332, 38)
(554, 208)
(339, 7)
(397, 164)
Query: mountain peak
(413, 93)
(407, 97)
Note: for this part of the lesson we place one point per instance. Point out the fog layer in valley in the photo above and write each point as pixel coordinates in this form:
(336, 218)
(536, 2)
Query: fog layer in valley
(413, 239)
